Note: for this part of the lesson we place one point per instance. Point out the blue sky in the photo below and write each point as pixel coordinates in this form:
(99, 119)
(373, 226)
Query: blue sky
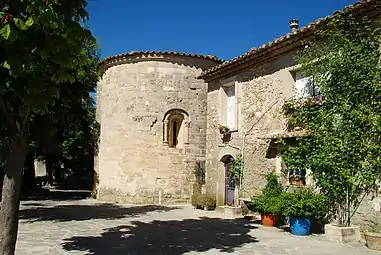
(222, 28)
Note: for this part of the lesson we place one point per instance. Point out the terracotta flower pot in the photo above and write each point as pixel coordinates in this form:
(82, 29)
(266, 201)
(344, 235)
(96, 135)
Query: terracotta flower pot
(297, 183)
(269, 220)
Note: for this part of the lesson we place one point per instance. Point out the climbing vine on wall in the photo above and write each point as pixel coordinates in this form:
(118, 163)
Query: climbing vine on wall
(235, 170)
(343, 145)
(200, 172)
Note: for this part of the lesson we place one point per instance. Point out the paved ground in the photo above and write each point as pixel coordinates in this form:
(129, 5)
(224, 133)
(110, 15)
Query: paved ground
(90, 227)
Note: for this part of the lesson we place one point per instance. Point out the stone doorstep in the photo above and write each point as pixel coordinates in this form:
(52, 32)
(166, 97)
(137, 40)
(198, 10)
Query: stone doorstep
(342, 234)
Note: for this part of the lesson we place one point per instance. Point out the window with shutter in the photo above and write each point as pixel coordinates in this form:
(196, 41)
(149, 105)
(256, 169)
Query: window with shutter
(304, 86)
(231, 108)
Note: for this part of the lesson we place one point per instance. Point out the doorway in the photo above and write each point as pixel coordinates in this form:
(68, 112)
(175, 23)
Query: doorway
(229, 184)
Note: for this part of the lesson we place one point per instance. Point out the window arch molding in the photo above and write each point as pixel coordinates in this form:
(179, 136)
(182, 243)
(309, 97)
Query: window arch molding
(176, 128)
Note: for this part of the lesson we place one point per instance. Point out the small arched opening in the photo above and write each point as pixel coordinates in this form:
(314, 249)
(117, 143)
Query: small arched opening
(176, 128)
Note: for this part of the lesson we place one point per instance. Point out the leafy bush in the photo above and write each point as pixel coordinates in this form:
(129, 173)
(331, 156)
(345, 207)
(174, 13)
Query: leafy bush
(303, 203)
(204, 201)
(343, 145)
(235, 170)
(266, 205)
(273, 188)
(194, 200)
(269, 202)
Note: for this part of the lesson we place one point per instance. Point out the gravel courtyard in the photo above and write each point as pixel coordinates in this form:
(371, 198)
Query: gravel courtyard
(89, 227)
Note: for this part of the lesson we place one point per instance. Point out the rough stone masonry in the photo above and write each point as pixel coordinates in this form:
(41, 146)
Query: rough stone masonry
(152, 112)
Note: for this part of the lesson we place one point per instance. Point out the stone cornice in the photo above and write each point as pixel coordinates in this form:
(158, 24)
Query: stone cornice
(136, 56)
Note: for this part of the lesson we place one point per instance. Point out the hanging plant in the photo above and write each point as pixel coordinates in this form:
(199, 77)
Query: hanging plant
(223, 129)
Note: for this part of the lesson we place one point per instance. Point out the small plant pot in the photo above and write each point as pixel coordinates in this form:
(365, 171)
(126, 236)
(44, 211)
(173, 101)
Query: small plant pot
(300, 226)
(297, 183)
(373, 240)
(269, 220)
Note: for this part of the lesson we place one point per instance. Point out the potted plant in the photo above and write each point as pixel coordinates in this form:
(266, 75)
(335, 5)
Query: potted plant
(373, 239)
(223, 129)
(301, 206)
(268, 204)
(297, 176)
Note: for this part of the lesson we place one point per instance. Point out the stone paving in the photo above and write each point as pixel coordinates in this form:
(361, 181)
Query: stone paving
(90, 227)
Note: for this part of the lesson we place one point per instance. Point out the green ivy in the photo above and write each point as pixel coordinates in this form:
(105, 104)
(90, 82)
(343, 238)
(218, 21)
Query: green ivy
(235, 170)
(344, 142)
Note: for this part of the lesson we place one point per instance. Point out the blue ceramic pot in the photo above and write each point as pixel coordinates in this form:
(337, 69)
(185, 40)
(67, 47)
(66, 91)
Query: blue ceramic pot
(300, 226)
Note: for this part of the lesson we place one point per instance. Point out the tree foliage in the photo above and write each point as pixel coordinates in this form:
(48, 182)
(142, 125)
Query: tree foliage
(344, 142)
(235, 170)
(46, 66)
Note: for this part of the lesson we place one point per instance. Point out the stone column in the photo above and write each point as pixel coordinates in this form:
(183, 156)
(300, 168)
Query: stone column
(166, 132)
(186, 132)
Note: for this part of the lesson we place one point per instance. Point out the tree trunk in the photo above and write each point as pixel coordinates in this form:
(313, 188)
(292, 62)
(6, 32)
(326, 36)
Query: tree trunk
(18, 149)
(1, 183)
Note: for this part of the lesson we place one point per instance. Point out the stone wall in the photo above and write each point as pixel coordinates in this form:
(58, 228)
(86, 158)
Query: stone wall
(134, 163)
(265, 89)
(262, 90)
(368, 216)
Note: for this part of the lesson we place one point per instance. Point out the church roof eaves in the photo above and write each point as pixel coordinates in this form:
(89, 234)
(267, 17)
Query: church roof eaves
(109, 61)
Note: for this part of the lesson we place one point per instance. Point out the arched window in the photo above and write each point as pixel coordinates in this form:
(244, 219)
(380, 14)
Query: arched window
(176, 128)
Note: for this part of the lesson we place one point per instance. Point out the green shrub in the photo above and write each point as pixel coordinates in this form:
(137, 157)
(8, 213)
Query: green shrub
(204, 201)
(273, 188)
(303, 203)
(270, 200)
(266, 205)
(194, 200)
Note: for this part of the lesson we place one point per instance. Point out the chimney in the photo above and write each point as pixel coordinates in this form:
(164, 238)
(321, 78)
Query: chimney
(294, 25)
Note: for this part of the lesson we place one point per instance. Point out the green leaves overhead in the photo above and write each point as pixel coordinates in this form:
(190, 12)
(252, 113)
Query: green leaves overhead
(48, 67)
(45, 49)
(5, 31)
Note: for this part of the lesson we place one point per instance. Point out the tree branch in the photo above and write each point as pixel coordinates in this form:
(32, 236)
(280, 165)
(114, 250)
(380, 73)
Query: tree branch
(358, 205)
(24, 121)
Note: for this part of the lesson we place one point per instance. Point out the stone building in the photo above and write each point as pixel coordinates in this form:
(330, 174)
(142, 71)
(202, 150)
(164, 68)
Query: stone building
(152, 112)
(246, 94)
(160, 114)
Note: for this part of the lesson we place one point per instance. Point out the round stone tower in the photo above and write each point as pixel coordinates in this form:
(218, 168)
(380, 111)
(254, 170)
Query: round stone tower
(152, 111)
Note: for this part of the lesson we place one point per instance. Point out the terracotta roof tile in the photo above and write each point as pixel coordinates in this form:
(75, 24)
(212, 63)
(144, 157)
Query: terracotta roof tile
(362, 4)
(120, 57)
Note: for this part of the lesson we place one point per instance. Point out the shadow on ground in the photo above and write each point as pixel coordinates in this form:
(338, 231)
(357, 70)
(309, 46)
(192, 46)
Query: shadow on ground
(166, 237)
(42, 194)
(87, 212)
